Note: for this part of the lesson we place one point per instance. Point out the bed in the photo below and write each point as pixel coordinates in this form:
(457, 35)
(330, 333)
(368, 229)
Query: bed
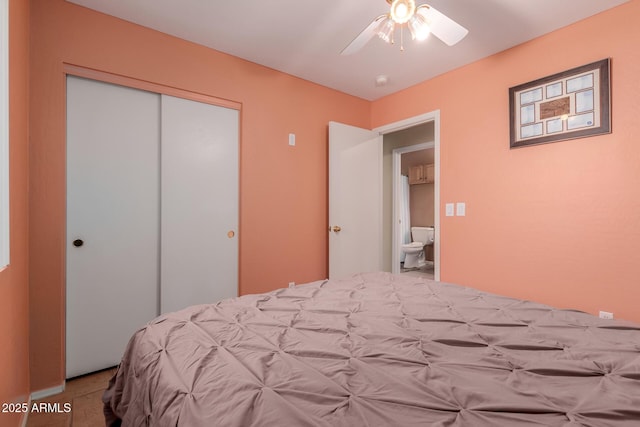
(378, 350)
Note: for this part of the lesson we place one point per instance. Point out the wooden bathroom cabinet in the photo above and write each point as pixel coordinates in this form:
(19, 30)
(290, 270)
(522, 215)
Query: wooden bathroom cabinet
(421, 174)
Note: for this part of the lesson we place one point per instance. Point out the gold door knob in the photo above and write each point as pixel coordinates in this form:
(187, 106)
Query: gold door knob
(336, 228)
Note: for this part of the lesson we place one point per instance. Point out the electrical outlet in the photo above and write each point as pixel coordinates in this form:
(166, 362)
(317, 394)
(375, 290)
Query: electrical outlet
(606, 315)
(448, 209)
(292, 284)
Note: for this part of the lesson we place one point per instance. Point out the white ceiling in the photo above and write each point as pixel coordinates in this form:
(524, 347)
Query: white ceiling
(305, 37)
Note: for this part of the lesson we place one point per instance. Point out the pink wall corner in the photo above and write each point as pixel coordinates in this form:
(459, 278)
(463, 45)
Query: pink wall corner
(556, 223)
(283, 205)
(14, 280)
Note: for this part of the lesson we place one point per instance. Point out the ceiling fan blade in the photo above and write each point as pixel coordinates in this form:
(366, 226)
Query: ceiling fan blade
(443, 27)
(364, 37)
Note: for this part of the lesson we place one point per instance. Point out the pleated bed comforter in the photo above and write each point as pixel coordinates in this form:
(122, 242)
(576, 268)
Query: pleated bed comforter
(378, 350)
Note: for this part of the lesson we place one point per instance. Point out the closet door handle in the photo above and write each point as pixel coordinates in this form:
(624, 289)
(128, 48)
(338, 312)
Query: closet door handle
(78, 242)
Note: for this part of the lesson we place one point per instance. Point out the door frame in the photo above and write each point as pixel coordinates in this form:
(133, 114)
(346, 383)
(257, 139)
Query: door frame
(432, 116)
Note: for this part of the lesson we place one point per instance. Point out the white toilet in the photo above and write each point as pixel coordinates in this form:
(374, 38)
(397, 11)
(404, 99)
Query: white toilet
(414, 252)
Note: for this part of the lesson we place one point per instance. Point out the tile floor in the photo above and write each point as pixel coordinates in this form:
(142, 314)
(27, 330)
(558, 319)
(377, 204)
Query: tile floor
(85, 396)
(426, 271)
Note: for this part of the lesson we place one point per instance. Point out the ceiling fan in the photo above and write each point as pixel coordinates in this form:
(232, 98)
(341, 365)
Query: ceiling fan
(422, 20)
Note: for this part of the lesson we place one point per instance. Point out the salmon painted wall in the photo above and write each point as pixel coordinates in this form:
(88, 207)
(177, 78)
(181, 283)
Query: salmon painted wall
(14, 280)
(283, 189)
(556, 223)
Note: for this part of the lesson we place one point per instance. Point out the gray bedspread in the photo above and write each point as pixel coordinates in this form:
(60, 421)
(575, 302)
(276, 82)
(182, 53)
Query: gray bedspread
(378, 350)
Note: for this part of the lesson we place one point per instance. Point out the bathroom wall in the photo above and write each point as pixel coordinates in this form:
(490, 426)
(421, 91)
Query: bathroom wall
(421, 196)
(557, 223)
(414, 135)
(421, 206)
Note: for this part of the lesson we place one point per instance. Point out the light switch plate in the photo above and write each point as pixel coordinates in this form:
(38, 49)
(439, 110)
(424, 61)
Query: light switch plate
(461, 209)
(448, 209)
(292, 139)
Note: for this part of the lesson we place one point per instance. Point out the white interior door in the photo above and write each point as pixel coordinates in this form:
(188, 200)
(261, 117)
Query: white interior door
(112, 220)
(199, 250)
(355, 200)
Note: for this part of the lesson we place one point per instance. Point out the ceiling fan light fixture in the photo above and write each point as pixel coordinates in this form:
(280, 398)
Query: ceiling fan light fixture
(443, 27)
(419, 28)
(422, 21)
(385, 30)
(425, 12)
(402, 10)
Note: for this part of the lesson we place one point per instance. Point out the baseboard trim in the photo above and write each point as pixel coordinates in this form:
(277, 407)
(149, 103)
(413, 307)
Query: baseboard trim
(41, 394)
(25, 415)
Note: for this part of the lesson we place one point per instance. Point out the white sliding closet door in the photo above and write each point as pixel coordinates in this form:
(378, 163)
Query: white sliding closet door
(112, 220)
(199, 221)
(152, 213)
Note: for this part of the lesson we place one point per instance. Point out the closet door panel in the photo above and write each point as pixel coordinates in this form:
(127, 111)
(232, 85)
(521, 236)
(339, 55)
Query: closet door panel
(199, 203)
(112, 248)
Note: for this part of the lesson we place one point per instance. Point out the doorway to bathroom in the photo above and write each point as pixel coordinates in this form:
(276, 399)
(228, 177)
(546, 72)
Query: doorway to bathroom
(413, 232)
(377, 203)
(411, 154)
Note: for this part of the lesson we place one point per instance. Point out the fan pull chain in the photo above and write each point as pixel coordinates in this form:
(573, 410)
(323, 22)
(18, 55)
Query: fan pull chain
(393, 37)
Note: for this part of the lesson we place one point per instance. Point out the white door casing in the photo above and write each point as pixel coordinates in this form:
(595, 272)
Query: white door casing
(112, 207)
(355, 200)
(432, 116)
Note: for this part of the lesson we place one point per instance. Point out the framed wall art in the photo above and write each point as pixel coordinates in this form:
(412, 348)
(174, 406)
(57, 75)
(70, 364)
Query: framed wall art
(573, 104)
